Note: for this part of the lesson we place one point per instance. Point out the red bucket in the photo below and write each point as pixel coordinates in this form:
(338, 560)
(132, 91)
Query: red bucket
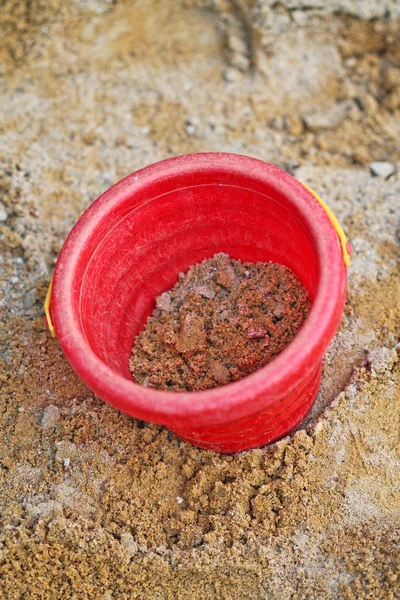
(130, 246)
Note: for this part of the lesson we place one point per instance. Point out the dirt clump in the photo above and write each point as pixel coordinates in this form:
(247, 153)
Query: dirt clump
(223, 320)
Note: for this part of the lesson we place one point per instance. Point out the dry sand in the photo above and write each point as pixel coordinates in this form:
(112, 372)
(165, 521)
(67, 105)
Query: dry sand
(94, 504)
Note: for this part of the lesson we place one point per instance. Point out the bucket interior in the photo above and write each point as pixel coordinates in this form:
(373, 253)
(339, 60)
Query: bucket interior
(152, 236)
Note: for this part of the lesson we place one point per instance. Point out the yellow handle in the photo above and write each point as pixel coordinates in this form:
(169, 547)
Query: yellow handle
(336, 224)
(47, 309)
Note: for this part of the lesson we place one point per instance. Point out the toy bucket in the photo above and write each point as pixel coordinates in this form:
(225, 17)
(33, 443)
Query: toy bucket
(131, 245)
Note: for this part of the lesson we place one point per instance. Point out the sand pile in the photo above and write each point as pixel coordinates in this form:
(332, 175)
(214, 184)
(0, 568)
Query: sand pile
(94, 504)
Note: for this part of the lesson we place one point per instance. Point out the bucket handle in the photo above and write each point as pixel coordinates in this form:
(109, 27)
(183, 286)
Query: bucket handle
(345, 244)
(346, 250)
(47, 309)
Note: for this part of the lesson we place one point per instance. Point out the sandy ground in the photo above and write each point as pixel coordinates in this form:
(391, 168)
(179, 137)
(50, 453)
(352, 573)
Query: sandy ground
(94, 504)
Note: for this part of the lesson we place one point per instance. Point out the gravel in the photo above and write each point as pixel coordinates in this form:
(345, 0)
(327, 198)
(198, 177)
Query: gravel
(381, 169)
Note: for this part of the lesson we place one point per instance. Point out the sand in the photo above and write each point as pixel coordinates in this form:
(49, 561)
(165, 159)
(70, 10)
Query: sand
(94, 504)
(222, 320)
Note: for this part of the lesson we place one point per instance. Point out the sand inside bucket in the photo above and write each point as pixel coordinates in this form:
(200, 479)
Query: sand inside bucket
(222, 320)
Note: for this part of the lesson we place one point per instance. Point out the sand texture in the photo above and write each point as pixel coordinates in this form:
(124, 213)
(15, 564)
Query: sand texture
(96, 505)
(223, 320)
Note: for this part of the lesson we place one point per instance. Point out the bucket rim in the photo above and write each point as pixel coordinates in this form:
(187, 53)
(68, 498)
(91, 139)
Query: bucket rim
(247, 396)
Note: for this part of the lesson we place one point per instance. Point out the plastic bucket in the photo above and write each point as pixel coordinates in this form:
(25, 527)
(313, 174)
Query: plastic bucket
(130, 246)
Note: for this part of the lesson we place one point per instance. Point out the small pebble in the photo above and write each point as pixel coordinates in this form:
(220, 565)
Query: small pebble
(381, 169)
(51, 417)
(256, 332)
(30, 298)
(163, 302)
(350, 62)
(204, 291)
(232, 74)
(220, 373)
(128, 542)
(3, 213)
(240, 62)
(237, 44)
(370, 104)
(329, 118)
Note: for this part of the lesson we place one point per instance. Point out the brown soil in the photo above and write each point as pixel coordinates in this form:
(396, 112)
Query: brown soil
(223, 320)
(95, 505)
